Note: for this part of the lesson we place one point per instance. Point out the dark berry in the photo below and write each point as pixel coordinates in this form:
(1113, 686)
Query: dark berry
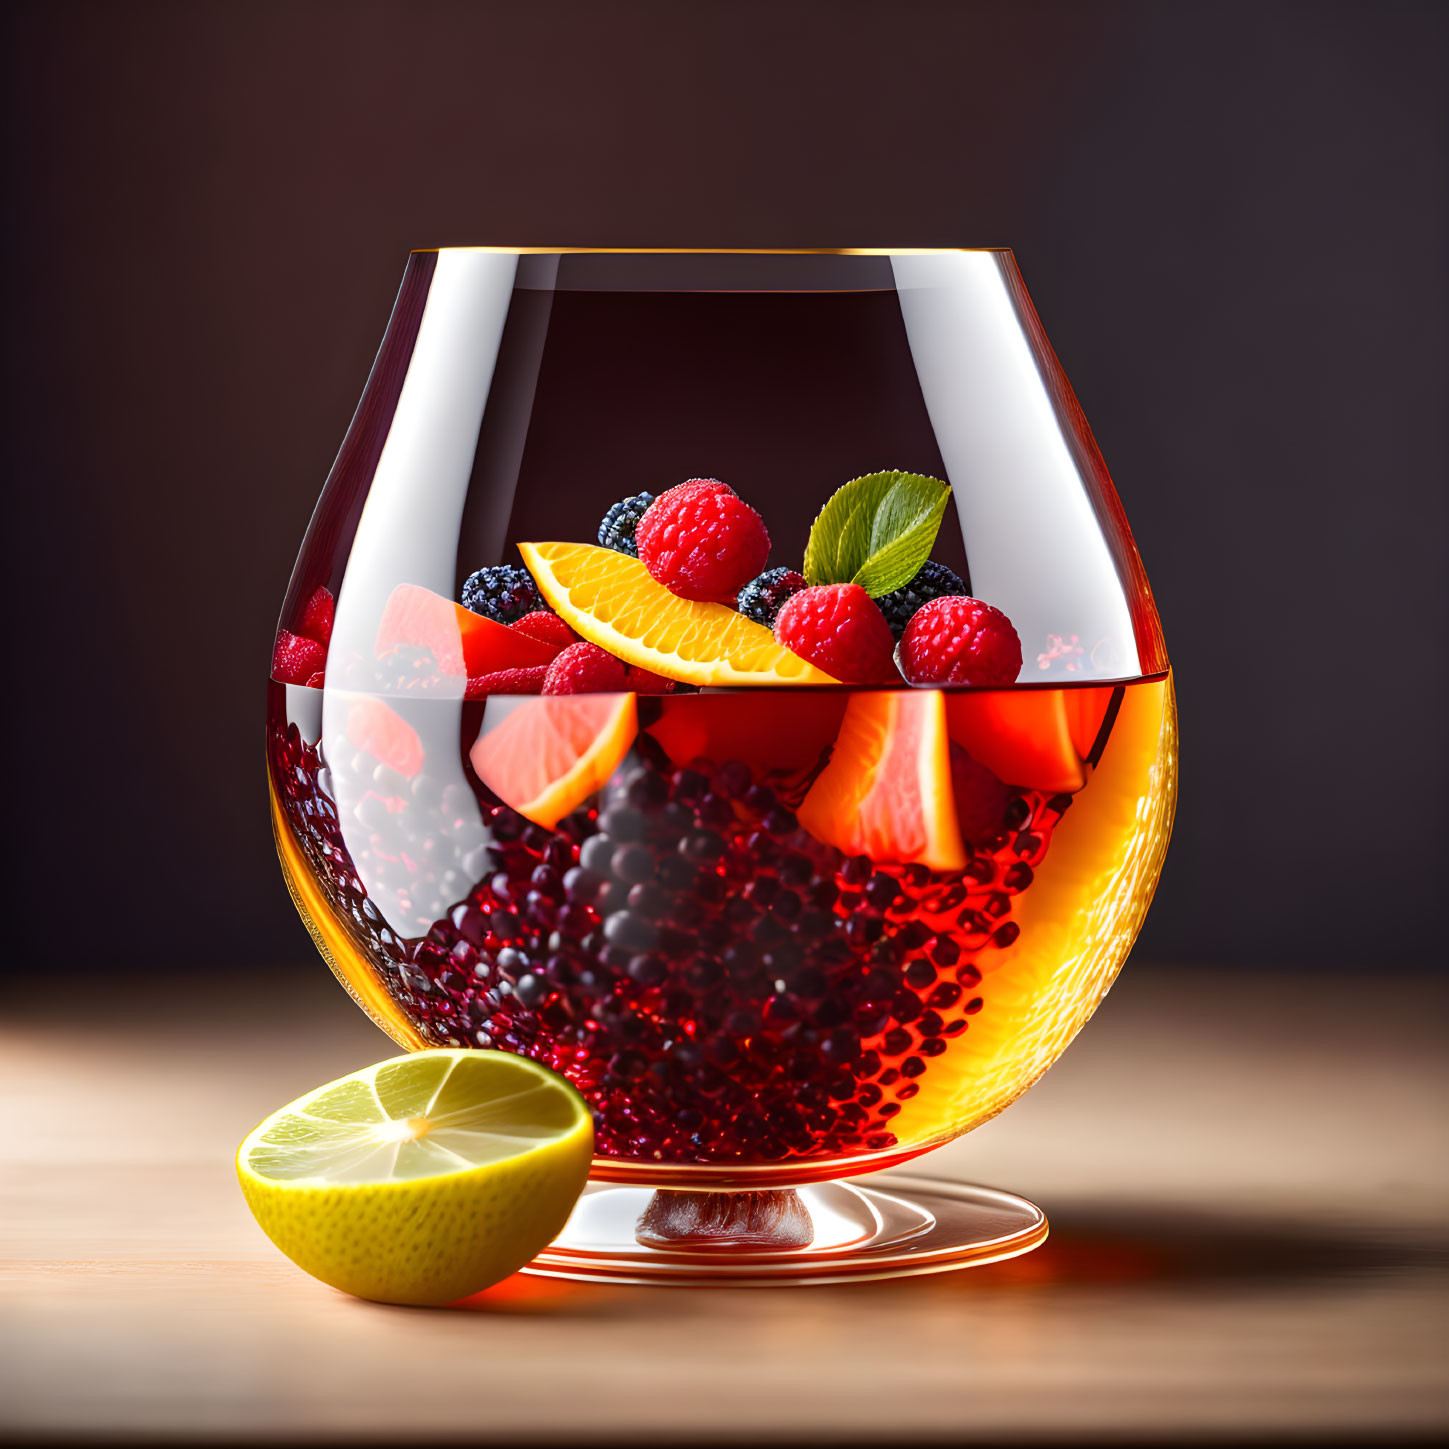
(762, 598)
(531, 990)
(617, 531)
(597, 854)
(503, 593)
(932, 581)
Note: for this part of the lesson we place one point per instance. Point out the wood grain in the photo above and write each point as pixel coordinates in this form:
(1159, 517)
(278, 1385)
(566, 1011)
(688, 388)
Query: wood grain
(1245, 1173)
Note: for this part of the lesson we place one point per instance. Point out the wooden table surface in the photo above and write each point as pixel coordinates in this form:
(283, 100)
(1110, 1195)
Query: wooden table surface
(1246, 1176)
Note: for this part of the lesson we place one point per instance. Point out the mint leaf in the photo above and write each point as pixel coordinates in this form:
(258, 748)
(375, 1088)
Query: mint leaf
(840, 536)
(876, 531)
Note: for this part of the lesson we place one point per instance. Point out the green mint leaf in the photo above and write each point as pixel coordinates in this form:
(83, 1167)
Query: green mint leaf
(840, 536)
(876, 531)
(903, 533)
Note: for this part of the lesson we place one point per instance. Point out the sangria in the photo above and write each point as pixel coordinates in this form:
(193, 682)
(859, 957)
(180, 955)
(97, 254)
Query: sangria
(799, 828)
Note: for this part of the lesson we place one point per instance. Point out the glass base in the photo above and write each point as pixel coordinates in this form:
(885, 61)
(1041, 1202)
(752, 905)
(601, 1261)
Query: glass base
(886, 1226)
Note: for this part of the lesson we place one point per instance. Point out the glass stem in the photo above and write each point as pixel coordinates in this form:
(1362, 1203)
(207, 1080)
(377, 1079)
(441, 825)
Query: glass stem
(775, 1220)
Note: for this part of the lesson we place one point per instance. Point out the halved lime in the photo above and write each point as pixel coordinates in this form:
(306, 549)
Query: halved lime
(424, 1178)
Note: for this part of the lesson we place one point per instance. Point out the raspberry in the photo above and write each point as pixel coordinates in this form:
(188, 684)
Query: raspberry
(959, 640)
(839, 629)
(295, 660)
(317, 617)
(932, 581)
(620, 523)
(584, 669)
(546, 627)
(762, 599)
(503, 593)
(644, 681)
(702, 541)
(507, 681)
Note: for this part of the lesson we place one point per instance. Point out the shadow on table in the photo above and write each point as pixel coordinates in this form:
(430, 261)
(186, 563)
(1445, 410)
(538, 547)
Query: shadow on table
(1106, 1246)
(1089, 1248)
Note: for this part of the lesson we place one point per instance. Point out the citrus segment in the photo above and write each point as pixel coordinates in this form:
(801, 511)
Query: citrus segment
(1086, 709)
(886, 792)
(421, 1179)
(611, 600)
(779, 734)
(381, 731)
(461, 641)
(1026, 737)
(548, 755)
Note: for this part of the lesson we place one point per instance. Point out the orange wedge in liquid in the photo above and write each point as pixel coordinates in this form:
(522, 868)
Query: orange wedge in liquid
(546, 756)
(1037, 738)
(886, 792)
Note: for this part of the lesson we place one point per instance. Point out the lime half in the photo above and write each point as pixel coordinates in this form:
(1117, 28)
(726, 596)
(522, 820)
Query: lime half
(424, 1178)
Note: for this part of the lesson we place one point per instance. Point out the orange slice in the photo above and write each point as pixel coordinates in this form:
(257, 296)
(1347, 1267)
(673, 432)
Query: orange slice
(886, 792)
(462, 642)
(610, 599)
(779, 733)
(548, 755)
(1025, 736)
(1086, 709)
(385, 735)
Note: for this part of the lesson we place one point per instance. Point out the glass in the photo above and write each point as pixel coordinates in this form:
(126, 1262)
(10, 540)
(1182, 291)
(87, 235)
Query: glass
(779, 936)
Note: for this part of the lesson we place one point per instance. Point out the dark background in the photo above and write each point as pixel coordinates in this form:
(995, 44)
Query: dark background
(1232, 220)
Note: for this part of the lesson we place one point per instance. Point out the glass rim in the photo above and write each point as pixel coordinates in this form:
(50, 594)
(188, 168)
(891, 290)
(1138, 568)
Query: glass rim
(520, 251)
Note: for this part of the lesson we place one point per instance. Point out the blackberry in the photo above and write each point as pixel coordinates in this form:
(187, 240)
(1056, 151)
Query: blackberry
(503, 593)
(619, 523)
(762, 599)
(932, 581)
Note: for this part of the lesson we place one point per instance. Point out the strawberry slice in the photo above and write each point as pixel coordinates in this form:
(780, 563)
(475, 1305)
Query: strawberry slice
(461, 641)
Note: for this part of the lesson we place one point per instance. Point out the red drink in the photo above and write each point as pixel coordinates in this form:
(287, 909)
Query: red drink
(728, 989)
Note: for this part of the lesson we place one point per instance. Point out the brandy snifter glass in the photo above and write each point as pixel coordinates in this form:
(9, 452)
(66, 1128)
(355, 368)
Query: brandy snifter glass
(781, 932)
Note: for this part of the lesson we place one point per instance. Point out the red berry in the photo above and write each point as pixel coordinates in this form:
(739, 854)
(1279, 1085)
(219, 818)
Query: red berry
(585, 669)
(317, 617)
(644, 681)
(702, 541)
(295, 659)
(839, 628)
(981, 799)
(957, 640)
(507, 681)
(318, 680)
(546, 627)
